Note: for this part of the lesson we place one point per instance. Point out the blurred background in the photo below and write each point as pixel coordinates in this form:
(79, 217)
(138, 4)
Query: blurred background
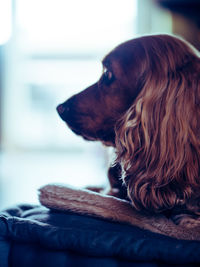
(49, 50)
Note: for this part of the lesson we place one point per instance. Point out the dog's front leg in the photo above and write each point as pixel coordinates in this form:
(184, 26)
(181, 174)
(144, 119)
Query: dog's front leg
(117, 187)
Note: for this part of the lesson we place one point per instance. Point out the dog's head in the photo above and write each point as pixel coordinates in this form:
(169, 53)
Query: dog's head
(93, 113)
(147, 105)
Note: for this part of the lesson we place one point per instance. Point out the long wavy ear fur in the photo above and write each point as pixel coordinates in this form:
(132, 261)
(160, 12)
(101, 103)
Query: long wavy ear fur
(158, 139)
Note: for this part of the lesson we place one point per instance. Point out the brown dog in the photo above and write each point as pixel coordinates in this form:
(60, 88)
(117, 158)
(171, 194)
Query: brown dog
(147, 106)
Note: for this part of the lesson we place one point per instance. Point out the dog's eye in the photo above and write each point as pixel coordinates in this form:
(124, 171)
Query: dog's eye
(108, 76)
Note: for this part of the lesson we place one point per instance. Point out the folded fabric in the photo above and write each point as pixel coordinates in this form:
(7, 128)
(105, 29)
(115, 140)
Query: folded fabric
(62, 197)
(36, 236)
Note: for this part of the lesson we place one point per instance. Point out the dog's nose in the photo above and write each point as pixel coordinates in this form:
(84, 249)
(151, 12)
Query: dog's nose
(61, 109)
(65, 109)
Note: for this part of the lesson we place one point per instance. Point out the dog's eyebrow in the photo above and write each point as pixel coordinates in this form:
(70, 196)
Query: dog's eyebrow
(106, 62)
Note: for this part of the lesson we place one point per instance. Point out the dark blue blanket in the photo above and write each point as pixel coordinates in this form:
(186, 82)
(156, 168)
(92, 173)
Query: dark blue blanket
(35, 236)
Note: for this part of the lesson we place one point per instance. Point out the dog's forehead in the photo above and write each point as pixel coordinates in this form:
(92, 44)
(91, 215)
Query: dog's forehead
(121, 50)
(121, 54)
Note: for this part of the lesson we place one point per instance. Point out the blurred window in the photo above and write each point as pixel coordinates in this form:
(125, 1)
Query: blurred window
(56, 50)
(5, 20)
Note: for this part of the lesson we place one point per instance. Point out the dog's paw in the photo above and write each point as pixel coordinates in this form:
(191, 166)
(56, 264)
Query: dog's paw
(186, 220)
(116, 192)
(96, 189)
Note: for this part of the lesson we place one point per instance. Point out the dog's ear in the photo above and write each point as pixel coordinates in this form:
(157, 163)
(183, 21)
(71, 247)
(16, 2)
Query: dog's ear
(158, 139)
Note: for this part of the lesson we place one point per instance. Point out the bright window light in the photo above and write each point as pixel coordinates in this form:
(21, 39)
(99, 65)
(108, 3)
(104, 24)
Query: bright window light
(55, 42)
(5, 21)
(56, 51)
(75, 24)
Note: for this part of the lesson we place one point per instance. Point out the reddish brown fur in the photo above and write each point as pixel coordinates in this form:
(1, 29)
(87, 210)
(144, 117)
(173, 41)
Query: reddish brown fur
(148, 107)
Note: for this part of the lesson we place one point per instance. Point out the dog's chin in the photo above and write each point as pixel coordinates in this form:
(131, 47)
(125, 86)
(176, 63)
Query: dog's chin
(79, 132)
(106, 140)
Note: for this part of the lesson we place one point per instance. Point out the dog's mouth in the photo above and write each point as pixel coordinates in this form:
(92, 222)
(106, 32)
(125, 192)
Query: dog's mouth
(68, 116)
(64, 113)
(80, 133)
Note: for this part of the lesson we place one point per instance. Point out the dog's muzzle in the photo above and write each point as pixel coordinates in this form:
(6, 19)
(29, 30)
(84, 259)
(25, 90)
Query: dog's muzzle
(66, 110)
(67, 113)
(62, 111)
